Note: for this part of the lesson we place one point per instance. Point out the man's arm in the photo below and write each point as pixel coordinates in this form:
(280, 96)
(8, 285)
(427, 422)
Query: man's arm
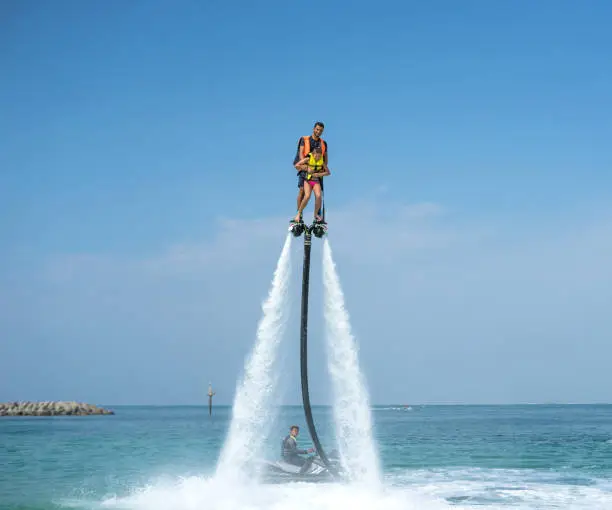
(291, 447)
(325, 155)
(301, 164)
(322, 174)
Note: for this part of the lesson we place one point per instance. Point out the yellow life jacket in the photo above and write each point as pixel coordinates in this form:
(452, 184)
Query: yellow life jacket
(315, 165)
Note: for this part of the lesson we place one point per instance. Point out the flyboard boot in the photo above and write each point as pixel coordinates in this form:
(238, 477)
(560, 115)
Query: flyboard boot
(297, 227)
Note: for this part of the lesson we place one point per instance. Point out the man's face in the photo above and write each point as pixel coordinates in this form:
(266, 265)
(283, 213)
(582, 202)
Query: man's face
(317, 131)
(294, 432)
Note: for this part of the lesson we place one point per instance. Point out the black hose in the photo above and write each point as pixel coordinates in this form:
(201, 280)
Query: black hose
(322, 211)
(304, 355)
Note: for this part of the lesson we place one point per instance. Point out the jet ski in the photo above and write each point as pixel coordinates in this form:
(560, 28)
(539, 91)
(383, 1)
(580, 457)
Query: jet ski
(317, 471)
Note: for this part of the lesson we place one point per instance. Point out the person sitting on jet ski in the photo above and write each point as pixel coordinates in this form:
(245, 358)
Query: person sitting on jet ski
(291, 453)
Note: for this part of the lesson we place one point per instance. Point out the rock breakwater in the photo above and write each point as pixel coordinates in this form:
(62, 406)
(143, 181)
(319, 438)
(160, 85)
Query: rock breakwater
(50, 409)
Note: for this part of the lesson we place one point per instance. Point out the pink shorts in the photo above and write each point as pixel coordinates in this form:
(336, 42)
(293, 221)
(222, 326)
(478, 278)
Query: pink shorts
(312, 183)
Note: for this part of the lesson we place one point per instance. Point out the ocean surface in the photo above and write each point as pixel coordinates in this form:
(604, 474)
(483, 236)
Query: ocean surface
(432, 457)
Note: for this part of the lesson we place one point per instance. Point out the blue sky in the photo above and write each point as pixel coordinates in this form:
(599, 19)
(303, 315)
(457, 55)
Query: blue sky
(146, 182)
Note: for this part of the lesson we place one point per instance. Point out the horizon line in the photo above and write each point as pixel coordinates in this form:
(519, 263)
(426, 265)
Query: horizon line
(432, 404)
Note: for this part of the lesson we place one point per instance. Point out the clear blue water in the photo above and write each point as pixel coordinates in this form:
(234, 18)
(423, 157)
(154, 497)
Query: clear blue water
(452, 456)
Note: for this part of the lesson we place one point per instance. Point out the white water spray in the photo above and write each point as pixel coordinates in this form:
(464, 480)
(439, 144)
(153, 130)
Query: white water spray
(351, 402)
(252, 412)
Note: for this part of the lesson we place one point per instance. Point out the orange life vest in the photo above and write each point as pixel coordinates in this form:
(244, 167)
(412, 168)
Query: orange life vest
(306, 148)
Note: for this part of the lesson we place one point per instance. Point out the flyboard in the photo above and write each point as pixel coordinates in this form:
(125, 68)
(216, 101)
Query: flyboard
(322, 467)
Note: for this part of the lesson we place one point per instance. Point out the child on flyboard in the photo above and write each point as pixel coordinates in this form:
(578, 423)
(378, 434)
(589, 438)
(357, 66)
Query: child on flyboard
(312, 168)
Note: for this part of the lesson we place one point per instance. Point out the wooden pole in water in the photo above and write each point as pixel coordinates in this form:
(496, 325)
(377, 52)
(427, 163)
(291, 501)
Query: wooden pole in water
(211, 393)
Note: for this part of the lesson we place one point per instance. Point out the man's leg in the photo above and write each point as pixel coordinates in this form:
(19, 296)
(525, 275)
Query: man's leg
(295, 460)
(300, 195)
(306, 465)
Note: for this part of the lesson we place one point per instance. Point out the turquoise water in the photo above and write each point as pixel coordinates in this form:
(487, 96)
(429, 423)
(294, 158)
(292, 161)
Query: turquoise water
(432, 456)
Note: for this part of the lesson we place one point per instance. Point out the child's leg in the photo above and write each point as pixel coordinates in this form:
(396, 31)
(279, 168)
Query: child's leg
(317, 192)
(304, 203)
